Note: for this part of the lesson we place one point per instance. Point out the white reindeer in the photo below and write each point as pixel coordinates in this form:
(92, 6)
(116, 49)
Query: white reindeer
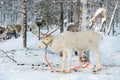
(96, 16)
(67, 42)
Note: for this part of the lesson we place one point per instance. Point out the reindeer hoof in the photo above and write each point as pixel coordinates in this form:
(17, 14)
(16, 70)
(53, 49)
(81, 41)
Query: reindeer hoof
(67, 71)
(96, 69)
(63, 71)
(60, 70)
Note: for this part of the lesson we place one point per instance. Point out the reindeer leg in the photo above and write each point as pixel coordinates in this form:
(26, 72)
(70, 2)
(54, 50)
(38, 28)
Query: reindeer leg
(104, 27)
(69, 61)
(81, 57)
(98, 61)
(101, 29)
(63, 62)
(68, 55)
(101, 26)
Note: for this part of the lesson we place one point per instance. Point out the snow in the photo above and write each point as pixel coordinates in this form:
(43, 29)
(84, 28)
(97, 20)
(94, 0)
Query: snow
(26, 58)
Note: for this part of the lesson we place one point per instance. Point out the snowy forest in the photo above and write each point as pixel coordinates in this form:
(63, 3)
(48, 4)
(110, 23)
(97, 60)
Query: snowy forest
(59, 39)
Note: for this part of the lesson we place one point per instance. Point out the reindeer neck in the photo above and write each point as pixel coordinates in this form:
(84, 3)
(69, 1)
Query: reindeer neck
(56, 43)
(50, 43)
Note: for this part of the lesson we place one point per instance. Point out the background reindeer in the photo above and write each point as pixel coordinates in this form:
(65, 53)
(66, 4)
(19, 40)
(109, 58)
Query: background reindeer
(2, 35)
(73, 27)
(96, 16)
(13, 30)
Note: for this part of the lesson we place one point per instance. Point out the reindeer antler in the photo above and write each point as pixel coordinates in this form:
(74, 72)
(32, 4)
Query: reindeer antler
(54, 30)
(48, 28)
(58, 19)
(47, 33)
(96, 15)
(44, 33)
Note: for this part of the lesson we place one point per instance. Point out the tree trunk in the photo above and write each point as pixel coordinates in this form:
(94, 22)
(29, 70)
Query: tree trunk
(39, 32)
(11, 18)
(84, 14)
(74, 12)
(78, 10)
(113, 30)
(16, 18)
(71, 12)
(84, 23)
(24, 24)
(4, 18)
(61, 17)
(1, 19)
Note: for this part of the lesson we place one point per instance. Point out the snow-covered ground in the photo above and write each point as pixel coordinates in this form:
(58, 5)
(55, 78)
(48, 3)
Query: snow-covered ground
(31, 64)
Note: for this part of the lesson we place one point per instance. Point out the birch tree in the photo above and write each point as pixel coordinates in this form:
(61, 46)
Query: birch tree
(24, 23)
(84, 23)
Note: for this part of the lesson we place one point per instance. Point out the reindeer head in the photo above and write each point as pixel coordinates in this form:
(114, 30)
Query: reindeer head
(2, 29)
(47, 37)
(46, 41)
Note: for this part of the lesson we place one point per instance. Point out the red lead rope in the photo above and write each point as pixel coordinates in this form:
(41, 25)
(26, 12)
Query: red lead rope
(51, 67)
(74, 68)
(78, 67)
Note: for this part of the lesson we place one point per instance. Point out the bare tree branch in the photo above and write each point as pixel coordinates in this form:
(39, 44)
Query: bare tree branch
(8, 56)
(113, 15)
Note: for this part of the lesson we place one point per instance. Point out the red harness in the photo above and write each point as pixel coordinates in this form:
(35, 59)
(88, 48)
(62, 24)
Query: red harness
(74, 68)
